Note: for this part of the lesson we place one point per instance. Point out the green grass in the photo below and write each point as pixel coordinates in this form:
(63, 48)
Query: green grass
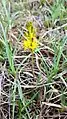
(23, 90)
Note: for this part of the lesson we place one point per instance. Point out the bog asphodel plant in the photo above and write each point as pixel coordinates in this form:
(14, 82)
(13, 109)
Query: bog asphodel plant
(30, 42)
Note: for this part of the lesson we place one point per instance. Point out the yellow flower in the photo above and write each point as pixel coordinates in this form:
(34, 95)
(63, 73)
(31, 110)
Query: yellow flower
(27, 44)
(30, 42)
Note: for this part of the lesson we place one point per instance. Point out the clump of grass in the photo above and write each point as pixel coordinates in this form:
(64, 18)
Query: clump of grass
(28, 93)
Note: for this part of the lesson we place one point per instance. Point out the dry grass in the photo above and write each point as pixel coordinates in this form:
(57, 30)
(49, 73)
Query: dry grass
(41, 92)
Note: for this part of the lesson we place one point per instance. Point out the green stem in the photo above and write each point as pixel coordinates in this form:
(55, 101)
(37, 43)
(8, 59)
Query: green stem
(32, 66)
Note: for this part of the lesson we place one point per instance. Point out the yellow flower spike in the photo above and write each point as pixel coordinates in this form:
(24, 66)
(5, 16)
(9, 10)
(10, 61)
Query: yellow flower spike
(34, 44)
(25, 45)
(30, 42)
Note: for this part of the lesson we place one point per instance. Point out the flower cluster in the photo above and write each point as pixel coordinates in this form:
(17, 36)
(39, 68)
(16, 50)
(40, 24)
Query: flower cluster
(30, 42)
